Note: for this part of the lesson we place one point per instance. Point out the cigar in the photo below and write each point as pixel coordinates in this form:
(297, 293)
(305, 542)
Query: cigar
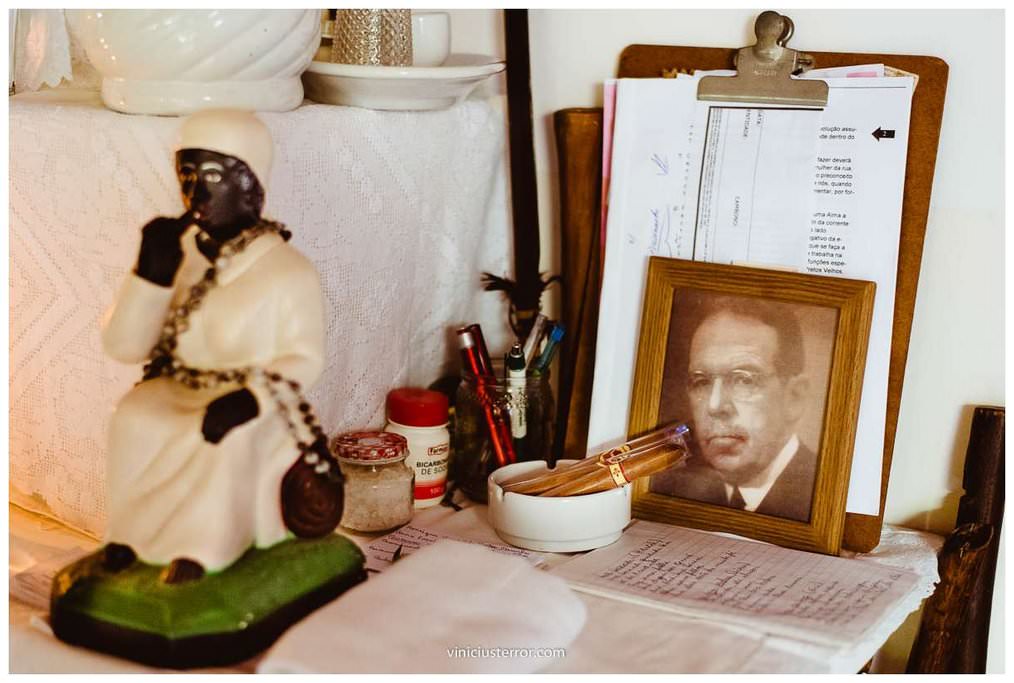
(547, 480)
(544, 480)
(657, 438)
(582, 484)
(605, 478)
(639, 457)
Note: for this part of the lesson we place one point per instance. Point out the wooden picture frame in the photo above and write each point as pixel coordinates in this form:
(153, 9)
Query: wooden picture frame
(762, 435)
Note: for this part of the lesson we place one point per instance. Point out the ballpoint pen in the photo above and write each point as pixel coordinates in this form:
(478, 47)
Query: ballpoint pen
(516, 382)
(531, 348)
(482, 353)
(543, 361)
(496, 423)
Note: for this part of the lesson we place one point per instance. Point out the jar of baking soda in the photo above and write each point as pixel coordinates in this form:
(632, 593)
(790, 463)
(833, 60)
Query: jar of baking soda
(420, 416)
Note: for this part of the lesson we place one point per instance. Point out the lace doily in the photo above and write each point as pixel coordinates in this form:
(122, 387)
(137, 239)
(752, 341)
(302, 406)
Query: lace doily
(47, 55)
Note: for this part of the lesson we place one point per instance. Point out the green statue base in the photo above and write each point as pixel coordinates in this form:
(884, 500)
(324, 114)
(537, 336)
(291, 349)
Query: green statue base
(217, 620)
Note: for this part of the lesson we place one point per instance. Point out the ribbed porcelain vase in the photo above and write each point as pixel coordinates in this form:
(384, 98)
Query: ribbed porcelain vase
(176, 62)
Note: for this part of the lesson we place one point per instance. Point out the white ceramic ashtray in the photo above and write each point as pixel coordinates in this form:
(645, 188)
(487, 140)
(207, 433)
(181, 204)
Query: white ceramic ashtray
(566, 524)
(398, 88)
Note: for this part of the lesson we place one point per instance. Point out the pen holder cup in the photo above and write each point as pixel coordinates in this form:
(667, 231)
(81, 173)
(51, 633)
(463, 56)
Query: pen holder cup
(500, 405)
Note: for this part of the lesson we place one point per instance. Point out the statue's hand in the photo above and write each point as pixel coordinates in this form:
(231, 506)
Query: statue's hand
(161, 254)
(228, 412)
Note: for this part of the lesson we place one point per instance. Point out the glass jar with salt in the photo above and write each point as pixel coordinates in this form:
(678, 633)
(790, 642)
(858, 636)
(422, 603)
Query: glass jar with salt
(378, 482)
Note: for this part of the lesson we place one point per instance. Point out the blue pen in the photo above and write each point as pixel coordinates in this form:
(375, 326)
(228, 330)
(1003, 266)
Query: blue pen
(550, 350)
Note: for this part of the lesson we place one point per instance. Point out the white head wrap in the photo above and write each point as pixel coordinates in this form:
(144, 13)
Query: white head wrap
(233, 132)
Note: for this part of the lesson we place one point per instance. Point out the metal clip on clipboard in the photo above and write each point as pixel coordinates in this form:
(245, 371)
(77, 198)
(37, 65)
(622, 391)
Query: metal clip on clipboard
(765, 70)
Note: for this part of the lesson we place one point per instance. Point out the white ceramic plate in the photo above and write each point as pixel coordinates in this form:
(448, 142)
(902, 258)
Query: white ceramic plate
(398, 87)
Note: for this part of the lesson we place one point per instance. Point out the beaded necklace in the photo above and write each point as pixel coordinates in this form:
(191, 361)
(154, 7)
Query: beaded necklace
(286, 393)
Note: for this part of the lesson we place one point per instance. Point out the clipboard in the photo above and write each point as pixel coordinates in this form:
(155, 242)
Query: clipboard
(579, 140)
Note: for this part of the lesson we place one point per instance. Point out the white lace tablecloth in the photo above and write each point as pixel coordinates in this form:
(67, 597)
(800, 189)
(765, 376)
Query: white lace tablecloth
(400, 211)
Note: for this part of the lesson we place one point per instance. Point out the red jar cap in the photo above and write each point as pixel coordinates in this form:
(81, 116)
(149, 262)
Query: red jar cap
(417, 407)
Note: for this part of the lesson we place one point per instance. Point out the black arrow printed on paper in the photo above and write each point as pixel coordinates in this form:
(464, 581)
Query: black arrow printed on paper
(880, 133)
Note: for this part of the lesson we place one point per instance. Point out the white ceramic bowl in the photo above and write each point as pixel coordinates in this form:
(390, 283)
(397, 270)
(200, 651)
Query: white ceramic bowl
(179, 61)
(564, 525)
(399, 88)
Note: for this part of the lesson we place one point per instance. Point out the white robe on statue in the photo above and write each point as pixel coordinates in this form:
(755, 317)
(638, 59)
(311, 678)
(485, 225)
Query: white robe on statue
(171, 493)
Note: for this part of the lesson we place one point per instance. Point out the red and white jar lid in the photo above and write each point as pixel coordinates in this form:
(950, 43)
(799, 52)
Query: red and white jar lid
(370, 448)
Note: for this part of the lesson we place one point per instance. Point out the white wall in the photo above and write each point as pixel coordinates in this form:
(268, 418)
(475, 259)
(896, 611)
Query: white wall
(956, 355)
(480, 31)
(477, 31)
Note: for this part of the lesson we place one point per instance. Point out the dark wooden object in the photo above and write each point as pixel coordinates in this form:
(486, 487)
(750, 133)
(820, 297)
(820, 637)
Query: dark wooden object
(579, 146)
(982, 504)
(527, 289)
(960, 560)
(862, 532)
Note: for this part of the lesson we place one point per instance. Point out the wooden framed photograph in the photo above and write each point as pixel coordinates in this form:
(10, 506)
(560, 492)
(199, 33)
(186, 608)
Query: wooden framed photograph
(767, 368)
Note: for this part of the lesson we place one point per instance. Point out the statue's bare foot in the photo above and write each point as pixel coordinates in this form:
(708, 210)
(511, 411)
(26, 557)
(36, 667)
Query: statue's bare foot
(117, 557)
(182, 570)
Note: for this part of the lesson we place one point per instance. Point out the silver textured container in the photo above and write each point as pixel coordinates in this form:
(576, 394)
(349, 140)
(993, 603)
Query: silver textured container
(373, 36)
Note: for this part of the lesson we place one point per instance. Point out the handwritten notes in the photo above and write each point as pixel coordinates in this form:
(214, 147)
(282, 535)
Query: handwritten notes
(381, 552)
(652, 211)
(34, 584)
(815, 598)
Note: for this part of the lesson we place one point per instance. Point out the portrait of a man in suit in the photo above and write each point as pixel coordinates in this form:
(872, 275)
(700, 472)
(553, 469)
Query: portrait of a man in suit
(741, 365)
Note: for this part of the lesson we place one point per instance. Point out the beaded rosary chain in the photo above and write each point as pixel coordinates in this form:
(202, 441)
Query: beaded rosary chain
(165, 363)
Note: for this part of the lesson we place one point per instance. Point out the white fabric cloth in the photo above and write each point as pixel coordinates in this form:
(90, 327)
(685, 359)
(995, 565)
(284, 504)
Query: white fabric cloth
(410, 618)
(45, 54)
(399, 212)
(171, 493)
(618, 637)
(41, 49)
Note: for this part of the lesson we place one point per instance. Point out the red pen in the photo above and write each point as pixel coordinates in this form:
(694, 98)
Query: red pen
(480, 346)
(499, 428)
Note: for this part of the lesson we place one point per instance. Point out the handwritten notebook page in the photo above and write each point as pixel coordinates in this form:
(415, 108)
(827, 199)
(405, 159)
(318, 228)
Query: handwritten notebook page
(429, 526)
(809, 597)
(382, 552)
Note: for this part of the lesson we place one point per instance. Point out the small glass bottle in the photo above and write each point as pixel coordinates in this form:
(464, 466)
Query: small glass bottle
(378, 482)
